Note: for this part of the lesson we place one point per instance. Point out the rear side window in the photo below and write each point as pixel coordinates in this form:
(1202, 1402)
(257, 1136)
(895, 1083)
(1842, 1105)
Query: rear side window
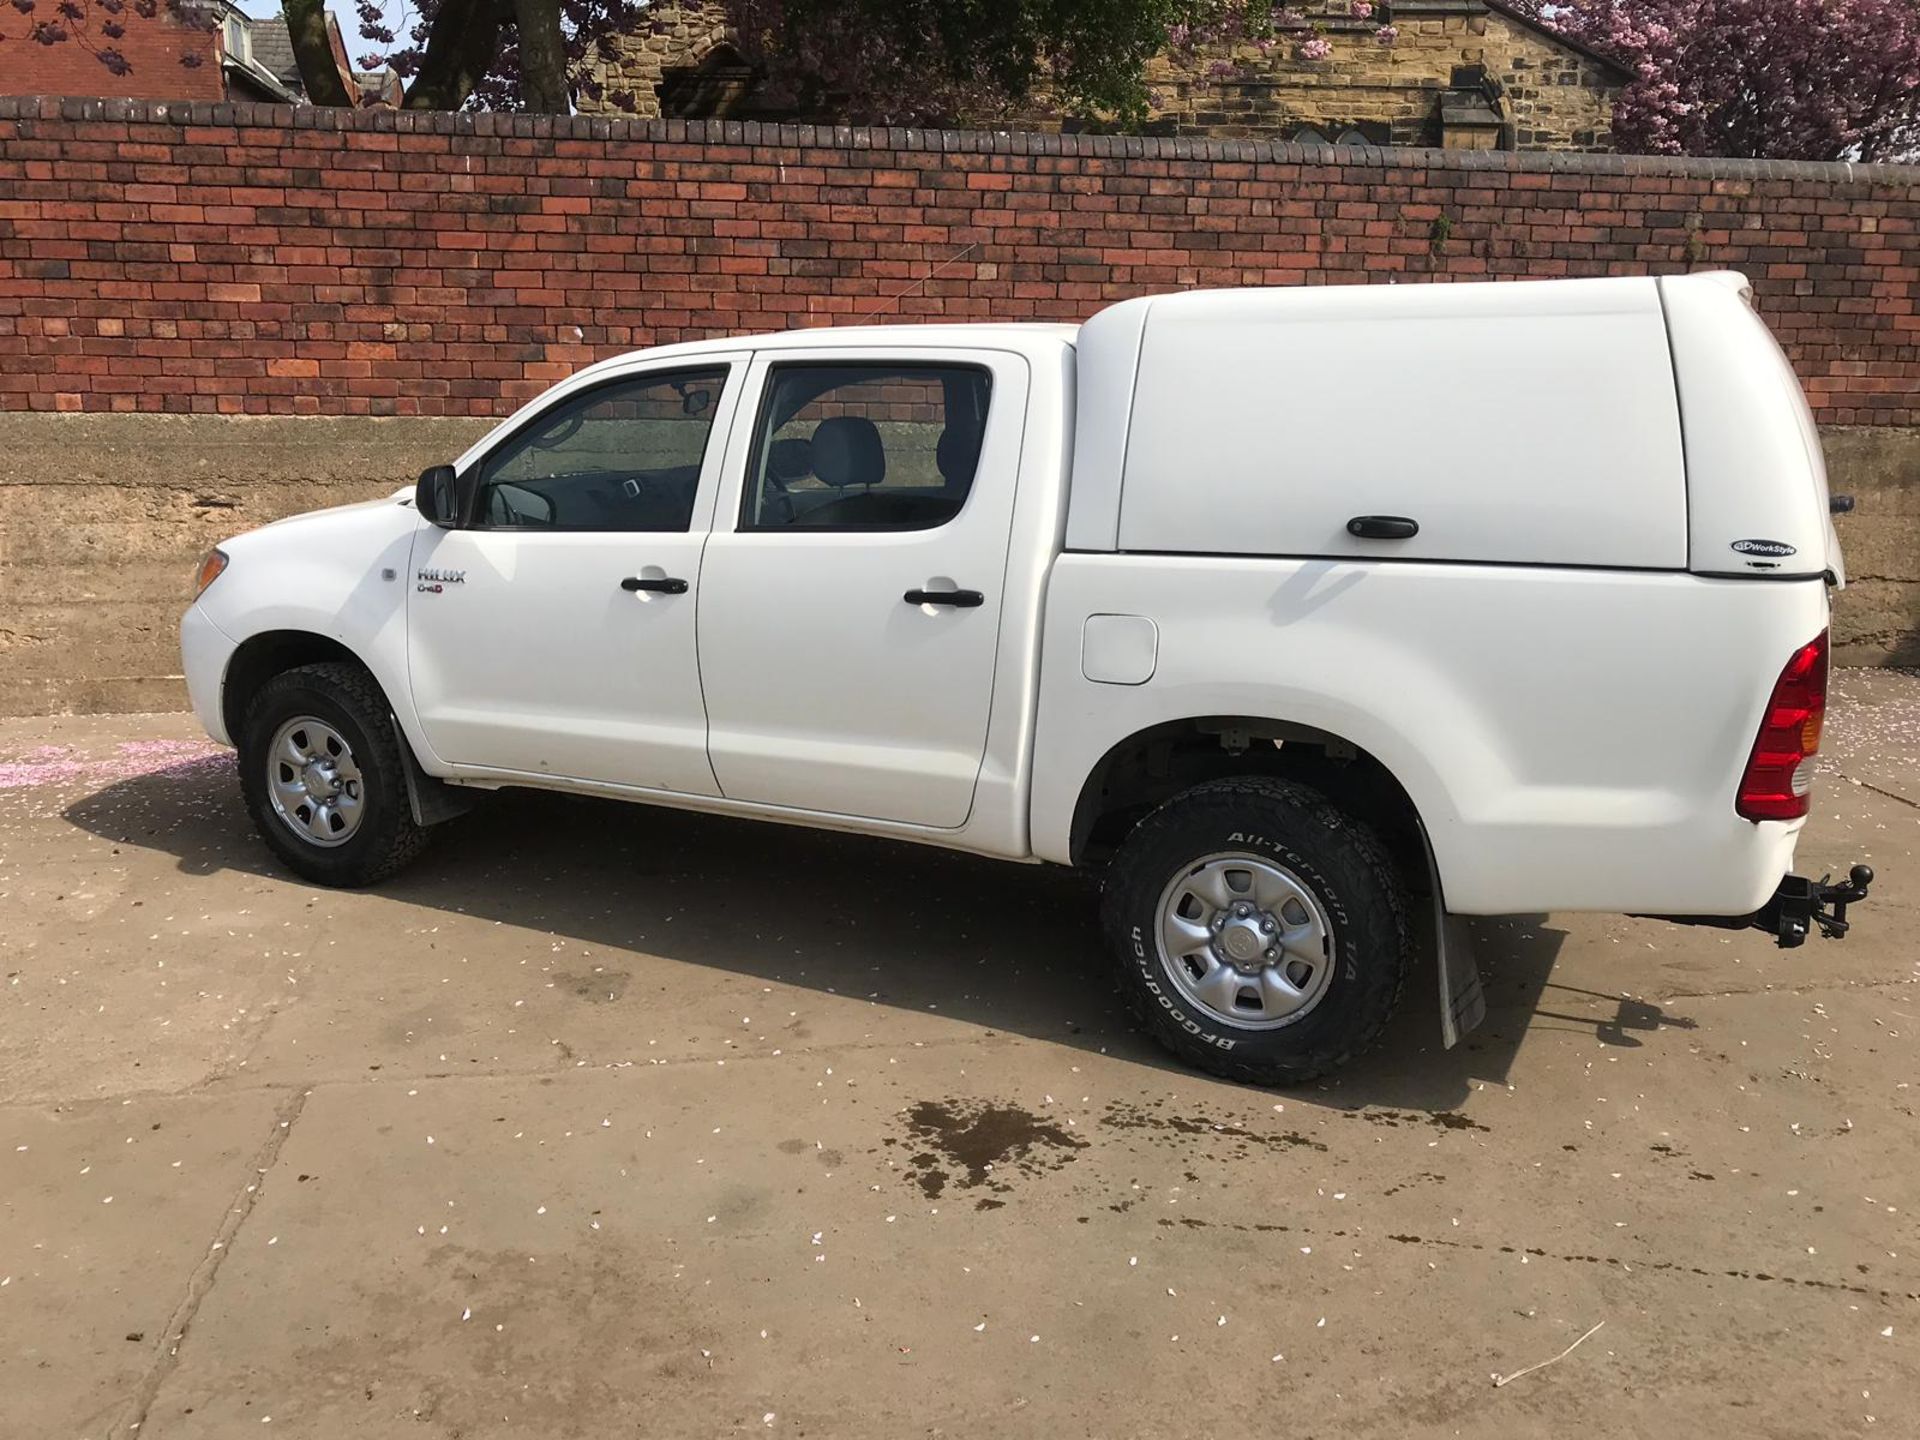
(622, 456)
(865, 447)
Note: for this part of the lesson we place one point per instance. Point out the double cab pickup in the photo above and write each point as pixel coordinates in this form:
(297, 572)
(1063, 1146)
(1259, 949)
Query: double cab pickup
(1309, 619)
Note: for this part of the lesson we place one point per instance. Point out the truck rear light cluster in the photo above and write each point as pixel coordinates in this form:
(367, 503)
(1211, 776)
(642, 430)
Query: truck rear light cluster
(1779, 773)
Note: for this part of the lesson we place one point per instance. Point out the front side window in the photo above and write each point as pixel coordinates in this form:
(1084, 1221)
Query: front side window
(622, 456)
(865, 447)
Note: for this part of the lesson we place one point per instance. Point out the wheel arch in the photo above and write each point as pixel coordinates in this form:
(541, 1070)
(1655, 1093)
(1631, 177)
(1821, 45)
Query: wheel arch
(1154, 763)
(260, 657)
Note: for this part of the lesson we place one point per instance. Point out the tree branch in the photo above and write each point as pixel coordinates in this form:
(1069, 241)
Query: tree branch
(460, 48)
(543, 57)
(313, 53)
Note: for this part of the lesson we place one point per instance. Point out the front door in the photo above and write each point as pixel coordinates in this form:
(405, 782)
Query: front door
(555, 637)
(850, 602)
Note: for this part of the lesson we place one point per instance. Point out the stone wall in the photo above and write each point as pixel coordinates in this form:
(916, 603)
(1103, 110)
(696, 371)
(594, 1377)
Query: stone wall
(1550, 95)
(104, 520)
(668, 36)
(1556, 98)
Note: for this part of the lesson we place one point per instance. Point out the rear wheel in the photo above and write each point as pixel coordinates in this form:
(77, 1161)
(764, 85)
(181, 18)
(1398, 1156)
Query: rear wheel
(322, 773)
(1262, 934)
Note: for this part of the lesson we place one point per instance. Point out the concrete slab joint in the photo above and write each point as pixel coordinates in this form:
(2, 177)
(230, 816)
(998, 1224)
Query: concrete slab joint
(166, 1351)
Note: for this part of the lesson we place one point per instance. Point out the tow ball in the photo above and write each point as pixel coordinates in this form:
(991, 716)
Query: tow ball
(1801, 904)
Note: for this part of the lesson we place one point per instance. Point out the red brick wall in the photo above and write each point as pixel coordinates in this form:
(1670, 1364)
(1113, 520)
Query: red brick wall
(257, 259)
(152, 47)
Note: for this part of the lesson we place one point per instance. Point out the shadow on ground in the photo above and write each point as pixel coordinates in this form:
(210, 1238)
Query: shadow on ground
(1011, 948)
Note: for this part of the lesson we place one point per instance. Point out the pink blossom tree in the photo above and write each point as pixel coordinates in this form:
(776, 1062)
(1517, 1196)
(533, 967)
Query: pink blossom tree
(1238, 35)
(1779, 79)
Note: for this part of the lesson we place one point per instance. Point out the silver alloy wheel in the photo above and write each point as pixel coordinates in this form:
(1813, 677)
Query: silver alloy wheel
(313, 782)
(1245, 941)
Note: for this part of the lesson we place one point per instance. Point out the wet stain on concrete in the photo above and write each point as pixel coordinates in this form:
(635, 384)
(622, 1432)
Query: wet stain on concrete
(828, 1157)
(1194, 1222)
(969, 1145)
(1425, 1177)
(601, 987)
(1443, 1119)
(1151, 1119)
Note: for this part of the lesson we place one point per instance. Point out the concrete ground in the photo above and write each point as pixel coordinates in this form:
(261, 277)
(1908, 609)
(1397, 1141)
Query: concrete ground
(605, 1122)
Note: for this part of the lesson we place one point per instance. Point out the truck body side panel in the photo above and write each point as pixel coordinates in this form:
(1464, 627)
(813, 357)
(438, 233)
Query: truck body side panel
(1571, 738)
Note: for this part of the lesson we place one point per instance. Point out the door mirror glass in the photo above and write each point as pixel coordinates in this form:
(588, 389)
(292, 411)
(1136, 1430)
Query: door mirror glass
(433, 496)
(445, 497)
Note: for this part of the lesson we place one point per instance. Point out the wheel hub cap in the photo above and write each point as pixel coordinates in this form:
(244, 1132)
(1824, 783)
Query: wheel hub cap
(1245, 941)
(314, 783)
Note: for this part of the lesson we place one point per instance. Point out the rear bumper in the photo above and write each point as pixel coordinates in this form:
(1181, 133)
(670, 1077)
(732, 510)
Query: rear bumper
(1799, 906)
(205, 650)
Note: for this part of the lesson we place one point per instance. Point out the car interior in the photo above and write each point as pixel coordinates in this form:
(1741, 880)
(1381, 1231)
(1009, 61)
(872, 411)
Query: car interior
(868, 448)
(841, 448)
(577, 469)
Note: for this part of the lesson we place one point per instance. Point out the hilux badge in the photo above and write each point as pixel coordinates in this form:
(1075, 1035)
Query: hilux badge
(432, 582)
(1762, 547)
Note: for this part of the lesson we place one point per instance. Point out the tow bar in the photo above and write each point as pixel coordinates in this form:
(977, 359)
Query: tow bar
(1800, 904)
(1795, 909)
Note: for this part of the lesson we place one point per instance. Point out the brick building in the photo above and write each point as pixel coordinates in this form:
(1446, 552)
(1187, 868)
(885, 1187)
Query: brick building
(1463, 74)
(164, 57)
(192, 50)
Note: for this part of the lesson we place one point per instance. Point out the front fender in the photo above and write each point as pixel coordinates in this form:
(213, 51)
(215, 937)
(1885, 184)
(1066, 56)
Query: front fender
(342, 574)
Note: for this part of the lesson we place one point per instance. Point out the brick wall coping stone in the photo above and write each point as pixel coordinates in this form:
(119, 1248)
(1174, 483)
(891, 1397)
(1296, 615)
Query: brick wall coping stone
(25, 110)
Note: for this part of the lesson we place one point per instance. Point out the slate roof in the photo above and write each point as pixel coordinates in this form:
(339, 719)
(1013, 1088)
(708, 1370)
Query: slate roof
(273, 50)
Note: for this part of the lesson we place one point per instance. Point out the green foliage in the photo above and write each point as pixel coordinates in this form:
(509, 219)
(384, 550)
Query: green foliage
(910, 61)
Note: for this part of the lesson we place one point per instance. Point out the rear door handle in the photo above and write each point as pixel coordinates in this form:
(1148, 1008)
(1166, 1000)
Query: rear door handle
(961, 599)
(1383, 527)
(668, 586)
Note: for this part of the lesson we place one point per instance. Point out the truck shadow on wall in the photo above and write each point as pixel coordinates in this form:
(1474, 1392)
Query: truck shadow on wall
(1011, 948)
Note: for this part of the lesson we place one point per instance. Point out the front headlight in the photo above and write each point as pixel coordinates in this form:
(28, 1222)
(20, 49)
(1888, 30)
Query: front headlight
(210, 569)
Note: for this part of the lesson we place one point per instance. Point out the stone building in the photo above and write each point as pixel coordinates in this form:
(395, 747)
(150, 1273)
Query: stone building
(1464, 74)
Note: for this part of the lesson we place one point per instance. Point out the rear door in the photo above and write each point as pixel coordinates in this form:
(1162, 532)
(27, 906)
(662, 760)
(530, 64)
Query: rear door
(556, 637)
(851, 590)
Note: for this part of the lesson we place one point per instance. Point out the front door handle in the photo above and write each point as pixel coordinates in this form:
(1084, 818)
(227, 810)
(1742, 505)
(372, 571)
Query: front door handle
(1383, 527)
(960, 599)
(668, 586)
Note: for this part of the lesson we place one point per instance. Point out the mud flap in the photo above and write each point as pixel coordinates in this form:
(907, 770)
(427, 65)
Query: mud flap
(1463, 1005)
(432, 801)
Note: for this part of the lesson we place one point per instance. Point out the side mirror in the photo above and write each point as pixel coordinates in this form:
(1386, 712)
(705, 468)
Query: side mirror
(446, 498)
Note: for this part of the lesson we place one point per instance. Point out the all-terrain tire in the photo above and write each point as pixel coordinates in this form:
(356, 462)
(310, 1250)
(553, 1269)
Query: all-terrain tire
(345, 697)
(1334, 857)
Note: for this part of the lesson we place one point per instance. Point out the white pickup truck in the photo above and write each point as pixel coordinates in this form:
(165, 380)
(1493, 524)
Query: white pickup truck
(1276, 607)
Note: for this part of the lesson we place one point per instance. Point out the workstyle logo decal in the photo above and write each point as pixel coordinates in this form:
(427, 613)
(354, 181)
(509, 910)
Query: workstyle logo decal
(1762, 547)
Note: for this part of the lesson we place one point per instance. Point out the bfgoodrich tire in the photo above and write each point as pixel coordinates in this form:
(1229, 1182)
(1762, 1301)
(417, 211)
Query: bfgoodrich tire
(322, 774)
(1261, 933)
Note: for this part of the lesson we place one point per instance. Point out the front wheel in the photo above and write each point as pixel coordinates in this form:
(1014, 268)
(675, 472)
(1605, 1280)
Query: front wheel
(1262, 933)
(322, 773)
